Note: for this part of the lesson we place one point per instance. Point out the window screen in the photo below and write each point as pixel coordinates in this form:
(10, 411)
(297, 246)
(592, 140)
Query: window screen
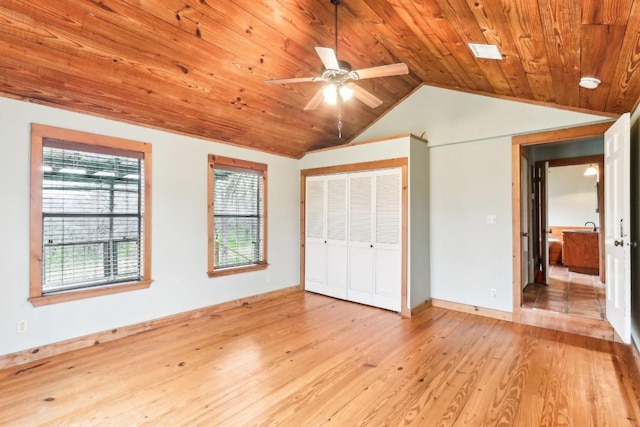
(92, 218)
(238, 205)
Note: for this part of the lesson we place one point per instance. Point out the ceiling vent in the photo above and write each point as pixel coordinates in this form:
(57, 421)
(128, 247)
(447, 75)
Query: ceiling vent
(485, 51)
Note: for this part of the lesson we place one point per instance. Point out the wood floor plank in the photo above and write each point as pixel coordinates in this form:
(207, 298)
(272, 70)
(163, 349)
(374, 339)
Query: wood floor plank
(306, 359)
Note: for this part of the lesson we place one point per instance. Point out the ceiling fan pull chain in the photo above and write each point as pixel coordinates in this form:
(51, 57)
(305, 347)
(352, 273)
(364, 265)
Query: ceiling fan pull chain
(339, 118)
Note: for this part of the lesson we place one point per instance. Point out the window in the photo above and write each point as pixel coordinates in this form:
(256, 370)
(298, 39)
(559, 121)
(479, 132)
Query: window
(237, 206)
(90, 217)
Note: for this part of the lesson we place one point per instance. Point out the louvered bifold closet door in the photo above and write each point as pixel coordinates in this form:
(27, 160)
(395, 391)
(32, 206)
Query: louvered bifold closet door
(360, 245)
(315, 235)
(387, 240)
(337, 236)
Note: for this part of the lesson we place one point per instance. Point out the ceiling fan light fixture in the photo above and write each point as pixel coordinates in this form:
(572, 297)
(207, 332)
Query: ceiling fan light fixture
(346, 92)
(330, 93)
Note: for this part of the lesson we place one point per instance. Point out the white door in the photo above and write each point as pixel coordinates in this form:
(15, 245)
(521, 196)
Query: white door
(387, 239)
(361, 255)
(617, 223)
(315, 261)
(336, 236)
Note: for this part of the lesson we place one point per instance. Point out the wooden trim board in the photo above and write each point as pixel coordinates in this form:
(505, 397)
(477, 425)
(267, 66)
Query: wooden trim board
(403, 164)
(517, 144)
(49, 350)
(421, 308)
(472, 309)
(561, 322)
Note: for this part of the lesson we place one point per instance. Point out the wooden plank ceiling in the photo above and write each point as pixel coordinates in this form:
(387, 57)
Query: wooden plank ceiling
(198, 67)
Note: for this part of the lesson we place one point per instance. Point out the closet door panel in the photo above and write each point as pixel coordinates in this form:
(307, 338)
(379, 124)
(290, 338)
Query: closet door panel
(337, 266)
(388, 274)
(315, 270)
(361, 275)
(360, 238)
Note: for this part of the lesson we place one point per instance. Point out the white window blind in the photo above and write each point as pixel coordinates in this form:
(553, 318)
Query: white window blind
(92, 217)
(238, 207)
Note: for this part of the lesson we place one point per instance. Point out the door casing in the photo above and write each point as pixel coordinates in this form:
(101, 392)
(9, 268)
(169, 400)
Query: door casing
(518, 144)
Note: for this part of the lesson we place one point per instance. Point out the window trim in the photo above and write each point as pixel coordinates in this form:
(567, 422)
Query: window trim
(94, 143)
(229, 164)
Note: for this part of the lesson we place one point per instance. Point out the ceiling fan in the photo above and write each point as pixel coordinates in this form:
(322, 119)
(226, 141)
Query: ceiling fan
(339, 76)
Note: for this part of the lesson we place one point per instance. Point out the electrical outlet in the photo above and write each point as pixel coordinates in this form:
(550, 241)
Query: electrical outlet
(494, 292)
(22, 326)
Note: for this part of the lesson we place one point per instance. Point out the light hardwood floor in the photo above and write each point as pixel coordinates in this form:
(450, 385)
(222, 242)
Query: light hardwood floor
(308, 360)
(575, 294)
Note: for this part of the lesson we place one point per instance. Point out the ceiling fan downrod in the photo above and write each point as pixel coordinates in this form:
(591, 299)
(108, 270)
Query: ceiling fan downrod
(336, 3)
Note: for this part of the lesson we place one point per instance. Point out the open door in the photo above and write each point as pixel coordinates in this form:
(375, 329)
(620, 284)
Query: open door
(525, 203)
(617, 243)
(540, 227)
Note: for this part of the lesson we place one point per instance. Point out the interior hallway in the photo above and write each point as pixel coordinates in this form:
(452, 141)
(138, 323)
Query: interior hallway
(575, 294)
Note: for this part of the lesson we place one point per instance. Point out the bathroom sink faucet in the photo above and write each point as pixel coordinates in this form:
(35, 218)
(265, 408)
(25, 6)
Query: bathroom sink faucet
(594, 225)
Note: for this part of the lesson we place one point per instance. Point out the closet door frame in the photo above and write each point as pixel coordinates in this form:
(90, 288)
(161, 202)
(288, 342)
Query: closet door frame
(401, 163)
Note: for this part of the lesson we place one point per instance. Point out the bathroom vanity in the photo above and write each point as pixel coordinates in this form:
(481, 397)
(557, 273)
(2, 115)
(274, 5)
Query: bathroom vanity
(580, 251)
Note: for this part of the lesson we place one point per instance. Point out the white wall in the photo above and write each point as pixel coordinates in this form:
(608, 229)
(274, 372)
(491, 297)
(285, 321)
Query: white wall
(572, 196)
(419, 255)
(179, 234)
(470, 178)
(348, 154)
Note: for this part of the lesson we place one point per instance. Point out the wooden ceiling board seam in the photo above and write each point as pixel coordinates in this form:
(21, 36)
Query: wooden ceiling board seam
(525, 18)
(108, 105)
(211, 25)
(468, 31)
(601, 45)
(560, 20)
(493, 23)
(606, 12)
(440, 64)
(432, 14)
(410, 41)
(625, 85)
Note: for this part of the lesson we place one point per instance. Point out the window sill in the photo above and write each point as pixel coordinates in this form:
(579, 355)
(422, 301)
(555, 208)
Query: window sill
(88, 293)
(236, 270)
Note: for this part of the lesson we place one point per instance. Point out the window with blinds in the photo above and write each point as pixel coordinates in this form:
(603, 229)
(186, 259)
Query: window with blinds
(92, 218)
(91, 211)
(237, 194)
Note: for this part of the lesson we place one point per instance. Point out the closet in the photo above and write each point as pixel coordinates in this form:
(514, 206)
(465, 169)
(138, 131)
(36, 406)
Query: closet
(353, 236)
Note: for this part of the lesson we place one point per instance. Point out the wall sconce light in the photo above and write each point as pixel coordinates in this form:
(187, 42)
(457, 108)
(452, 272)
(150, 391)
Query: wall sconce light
(591, 171)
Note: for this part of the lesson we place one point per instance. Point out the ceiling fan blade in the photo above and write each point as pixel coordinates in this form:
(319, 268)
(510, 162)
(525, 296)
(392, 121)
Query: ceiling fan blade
(293, 80)
(328, 58)
(382, 71)
(365, 96)
(315, 101)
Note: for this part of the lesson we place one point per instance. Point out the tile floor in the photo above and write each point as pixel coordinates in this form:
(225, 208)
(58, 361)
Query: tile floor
(575, 294)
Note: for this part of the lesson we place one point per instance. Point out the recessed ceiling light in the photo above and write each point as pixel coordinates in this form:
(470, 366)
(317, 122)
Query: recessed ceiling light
(485, 51)
(589, 82)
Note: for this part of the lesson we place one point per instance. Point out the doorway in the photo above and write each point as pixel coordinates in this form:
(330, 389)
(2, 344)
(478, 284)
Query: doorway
(568, 216)
(530, 241)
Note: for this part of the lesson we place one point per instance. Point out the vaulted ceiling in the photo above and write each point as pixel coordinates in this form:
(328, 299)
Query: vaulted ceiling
(198, 67)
